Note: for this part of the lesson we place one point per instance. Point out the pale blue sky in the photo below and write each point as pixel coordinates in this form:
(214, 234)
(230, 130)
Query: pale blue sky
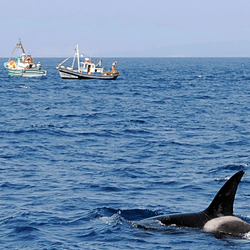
(126, 28)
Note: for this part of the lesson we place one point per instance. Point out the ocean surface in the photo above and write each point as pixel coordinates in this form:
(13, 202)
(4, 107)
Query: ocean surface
(80, 159)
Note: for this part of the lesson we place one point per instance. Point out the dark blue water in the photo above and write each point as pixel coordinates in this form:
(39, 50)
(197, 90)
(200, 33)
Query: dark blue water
(80, 159)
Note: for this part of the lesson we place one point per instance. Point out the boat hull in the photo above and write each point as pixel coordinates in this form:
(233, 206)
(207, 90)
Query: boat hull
(70, 74)
(26, 72)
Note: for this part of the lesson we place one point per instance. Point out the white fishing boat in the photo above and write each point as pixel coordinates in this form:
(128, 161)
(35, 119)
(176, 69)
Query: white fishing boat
(86, 69)
(23, 66)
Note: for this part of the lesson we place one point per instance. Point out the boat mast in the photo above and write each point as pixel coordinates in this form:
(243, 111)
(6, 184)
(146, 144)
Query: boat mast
(78, 57)
(18, 46)
(73, 63)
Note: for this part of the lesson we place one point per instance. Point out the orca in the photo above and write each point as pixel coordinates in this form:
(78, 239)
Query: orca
(218, 218)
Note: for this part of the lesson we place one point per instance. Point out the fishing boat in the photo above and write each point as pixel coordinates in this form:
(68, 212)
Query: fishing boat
(86, 69)
(23, 66)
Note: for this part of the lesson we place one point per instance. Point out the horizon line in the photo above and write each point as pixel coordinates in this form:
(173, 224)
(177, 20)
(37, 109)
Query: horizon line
(141, 57)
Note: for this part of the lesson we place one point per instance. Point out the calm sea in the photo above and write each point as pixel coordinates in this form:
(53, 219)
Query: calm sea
(79, 159)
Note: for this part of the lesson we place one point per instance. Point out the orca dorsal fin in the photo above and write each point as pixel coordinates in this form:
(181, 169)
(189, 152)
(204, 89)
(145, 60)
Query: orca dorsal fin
(223, 202)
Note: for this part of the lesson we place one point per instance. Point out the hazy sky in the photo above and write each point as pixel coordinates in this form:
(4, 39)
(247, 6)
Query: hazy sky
(119, 28)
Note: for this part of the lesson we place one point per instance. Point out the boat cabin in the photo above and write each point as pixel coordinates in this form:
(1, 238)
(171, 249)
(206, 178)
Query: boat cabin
(90, 68)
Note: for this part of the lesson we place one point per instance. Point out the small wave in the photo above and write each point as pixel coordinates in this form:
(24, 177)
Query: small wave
(24, 229)
(113, 220)
(137, 121)
(25, 87)
(134, 131)
(14, 186)
(129, 214)
(222, 179)
(235, 167)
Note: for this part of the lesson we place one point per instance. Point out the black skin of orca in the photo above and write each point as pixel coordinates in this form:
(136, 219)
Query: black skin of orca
(220, 207)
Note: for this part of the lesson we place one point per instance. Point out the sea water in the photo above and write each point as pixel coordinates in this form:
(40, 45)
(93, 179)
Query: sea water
(80, 159)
